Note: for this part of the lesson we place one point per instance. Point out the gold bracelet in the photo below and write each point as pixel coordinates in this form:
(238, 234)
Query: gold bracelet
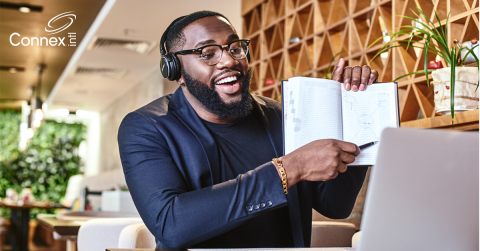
(282, 173)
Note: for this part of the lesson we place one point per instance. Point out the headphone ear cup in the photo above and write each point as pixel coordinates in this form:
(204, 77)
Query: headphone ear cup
(177, 70)
(170, 67)
(164, 67)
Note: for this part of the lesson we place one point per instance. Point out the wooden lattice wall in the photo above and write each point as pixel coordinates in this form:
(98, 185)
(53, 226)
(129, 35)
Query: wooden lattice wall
(348, 27)
(324, 28)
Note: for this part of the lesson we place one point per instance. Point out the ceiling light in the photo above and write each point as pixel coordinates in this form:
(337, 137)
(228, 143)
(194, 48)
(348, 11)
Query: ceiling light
(62, 112)
(84, 114)
(12, 69)
(24, 9)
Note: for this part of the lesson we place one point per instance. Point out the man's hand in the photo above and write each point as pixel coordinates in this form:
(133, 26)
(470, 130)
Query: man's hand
(356, 78)
(320, 160)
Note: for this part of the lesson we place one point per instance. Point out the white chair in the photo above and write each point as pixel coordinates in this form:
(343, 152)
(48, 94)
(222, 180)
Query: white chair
(73, 189)
(100, 234)
(136, 236)
(356, 239)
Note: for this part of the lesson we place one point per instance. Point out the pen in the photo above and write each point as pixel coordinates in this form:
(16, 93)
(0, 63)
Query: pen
(365, 146)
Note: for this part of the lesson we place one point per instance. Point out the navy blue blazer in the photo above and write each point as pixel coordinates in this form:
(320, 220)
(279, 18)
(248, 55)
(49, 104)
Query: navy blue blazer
(171, 164)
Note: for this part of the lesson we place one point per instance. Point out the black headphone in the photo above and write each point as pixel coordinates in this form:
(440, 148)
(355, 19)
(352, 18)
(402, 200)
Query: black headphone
(169, 63)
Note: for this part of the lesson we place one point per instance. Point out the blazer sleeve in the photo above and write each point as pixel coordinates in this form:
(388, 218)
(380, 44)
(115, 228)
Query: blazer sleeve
(176, 216)
(335, 198)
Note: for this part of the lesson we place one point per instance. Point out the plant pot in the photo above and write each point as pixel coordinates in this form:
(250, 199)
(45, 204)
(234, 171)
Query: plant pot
(466, 98)
(470, 58)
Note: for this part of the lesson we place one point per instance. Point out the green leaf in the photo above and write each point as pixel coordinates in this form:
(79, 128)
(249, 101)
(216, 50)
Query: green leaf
(425, 60)
(446, 25)
(452, 83)
(391, 47)
(430, 21)
(434, 49)
(424, 26)
(441, 27)
(413, 73)
(434, 34)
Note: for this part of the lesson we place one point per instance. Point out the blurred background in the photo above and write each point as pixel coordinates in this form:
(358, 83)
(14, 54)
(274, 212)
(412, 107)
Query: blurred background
(61, 103)
(71, 70)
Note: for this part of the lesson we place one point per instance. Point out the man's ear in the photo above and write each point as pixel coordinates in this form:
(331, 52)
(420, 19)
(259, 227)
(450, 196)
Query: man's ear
(181, 81)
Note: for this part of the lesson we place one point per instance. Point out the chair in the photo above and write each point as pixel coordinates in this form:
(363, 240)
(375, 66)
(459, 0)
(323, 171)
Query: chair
(324, 234)
(356, 239)
(100, 234)
(330, 233)
(136, 236)
(84, 197)
(72, 194)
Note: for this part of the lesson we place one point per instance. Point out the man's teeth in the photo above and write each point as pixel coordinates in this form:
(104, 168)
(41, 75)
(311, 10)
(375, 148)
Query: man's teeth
(226, 80)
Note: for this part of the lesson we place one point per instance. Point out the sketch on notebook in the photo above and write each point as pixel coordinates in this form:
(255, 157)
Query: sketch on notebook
(367, 121)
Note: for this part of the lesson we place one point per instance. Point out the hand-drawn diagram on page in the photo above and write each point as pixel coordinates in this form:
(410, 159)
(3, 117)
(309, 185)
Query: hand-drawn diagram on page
(366, 114)
(364, 117)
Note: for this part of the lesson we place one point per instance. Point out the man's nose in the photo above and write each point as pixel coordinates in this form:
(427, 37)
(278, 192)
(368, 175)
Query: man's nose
(226, 61)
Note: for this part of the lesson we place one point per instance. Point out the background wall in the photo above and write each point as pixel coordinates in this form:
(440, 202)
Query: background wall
(151, 88)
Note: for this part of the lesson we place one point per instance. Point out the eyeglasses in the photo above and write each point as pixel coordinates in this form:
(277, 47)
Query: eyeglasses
(211, 54)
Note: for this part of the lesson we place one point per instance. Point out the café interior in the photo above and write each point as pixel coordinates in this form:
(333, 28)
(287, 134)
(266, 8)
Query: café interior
(64, 90)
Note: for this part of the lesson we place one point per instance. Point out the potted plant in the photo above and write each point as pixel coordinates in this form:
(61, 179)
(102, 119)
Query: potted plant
(433, 39)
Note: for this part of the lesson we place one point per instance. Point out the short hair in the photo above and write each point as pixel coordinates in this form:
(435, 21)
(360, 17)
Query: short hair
(176, 38)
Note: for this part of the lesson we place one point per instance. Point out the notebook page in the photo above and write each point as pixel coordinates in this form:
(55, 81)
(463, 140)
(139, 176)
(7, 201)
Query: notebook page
(366, 114)
(314, 111)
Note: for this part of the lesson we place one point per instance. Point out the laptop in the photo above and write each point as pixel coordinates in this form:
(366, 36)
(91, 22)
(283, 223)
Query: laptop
(423, 192)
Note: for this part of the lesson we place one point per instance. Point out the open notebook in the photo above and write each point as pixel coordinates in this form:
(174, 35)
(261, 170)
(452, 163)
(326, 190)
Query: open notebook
(316, 108)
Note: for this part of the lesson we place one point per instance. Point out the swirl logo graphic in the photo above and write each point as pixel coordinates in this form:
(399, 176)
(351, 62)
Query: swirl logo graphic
(68, 15)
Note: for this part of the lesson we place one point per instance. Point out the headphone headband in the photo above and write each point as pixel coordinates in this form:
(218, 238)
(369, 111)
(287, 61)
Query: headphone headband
(163, 47)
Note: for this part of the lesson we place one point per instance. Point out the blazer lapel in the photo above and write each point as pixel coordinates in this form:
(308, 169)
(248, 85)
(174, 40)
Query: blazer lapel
(184, 112)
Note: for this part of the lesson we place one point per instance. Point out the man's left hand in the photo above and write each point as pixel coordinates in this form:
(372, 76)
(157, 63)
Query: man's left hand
(355, 78)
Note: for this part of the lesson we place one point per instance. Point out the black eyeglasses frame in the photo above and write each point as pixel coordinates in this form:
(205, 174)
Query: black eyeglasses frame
(199, 49)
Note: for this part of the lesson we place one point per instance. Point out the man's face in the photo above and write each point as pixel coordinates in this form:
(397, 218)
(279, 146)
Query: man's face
(226, 81)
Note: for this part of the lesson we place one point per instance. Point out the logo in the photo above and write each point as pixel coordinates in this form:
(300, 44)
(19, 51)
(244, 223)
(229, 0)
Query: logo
(16, 39)
(68, 15)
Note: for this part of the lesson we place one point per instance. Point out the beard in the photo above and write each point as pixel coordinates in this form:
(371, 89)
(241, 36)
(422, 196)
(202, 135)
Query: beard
(207, 95)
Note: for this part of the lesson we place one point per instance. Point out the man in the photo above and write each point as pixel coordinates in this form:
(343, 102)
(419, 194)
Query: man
(198, 163)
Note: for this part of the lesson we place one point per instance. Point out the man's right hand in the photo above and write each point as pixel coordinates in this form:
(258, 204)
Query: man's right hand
(320, 160)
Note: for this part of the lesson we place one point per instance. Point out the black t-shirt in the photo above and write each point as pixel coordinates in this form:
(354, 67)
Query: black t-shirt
(243, 146)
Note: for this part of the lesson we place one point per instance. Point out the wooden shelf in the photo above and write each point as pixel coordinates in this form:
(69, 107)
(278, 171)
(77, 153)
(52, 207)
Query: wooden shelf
(463, 121)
